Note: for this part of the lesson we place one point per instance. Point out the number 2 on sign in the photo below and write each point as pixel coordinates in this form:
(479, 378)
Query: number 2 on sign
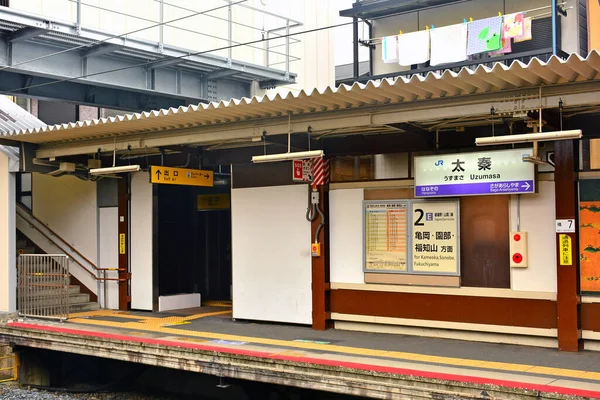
(421, 214)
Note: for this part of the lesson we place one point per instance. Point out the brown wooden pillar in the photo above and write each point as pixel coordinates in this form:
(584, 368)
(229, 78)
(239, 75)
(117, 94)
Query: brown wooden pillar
(123, 208)
(567, 264)
(321, 316)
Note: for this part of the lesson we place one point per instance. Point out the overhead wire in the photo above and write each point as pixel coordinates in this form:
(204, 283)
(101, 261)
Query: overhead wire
(183, 57)
(120, 35)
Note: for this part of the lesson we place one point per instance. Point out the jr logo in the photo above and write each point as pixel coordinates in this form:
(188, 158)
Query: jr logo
(439, 163)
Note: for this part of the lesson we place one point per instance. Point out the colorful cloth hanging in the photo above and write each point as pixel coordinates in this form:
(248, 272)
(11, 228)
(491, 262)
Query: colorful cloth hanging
(484, 35)
(448, 44)
(526, 31)
(389, 49)
(413, 48)
(506, 48)
(513, 25)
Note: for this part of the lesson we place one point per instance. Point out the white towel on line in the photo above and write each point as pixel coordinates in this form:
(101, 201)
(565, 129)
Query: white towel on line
(389, 49)
(413, 48)
(448, 44)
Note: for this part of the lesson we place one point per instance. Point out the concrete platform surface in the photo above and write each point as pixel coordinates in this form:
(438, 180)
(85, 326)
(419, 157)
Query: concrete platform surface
(368, 364)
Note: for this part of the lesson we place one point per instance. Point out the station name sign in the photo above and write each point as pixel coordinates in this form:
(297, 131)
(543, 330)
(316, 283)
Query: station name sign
(472, 174)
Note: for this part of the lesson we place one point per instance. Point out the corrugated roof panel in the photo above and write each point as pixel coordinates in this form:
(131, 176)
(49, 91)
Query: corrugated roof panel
(431, 86)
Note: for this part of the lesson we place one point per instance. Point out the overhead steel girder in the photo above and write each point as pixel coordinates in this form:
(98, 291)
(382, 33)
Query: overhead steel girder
(153, 50)
(221, 73)
(25, 34)
(82, 92)
(98, 50)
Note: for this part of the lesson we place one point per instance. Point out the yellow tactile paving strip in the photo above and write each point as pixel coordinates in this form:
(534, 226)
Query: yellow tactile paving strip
(217, 304)
(155, 322)
(160, 325)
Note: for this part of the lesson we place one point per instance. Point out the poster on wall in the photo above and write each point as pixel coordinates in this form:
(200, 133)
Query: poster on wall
(435, 237)
(385, 236)
(589, 245)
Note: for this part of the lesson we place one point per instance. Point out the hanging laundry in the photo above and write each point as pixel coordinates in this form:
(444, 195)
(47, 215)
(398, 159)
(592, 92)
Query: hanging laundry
(389, 49)
(506, 48)
(513, 25)
(484, 35)
(526, 31)
(413, 48)
(448, 44)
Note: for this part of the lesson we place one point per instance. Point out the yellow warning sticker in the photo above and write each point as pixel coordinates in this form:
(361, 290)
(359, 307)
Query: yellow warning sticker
(566, 251)
(121, 243)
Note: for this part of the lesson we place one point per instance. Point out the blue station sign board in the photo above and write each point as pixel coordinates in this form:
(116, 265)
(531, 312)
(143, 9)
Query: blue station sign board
(475, 174)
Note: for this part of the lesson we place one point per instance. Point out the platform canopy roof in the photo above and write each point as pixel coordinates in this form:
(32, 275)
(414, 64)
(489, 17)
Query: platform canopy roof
(389, 91)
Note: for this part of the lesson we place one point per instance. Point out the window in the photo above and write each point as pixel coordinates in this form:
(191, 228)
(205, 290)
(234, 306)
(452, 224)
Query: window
(4, 3)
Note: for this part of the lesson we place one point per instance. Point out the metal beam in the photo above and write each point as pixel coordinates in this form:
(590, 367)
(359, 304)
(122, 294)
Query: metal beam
(166, 63)
(137, 45)
(25, 34)
(101, 49)
(82, 92)
(220, 73)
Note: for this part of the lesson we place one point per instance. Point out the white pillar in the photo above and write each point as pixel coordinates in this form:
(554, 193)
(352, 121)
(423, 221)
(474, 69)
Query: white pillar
(8, 246)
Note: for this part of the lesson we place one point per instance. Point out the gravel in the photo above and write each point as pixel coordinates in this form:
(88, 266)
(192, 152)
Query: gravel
(12, 391)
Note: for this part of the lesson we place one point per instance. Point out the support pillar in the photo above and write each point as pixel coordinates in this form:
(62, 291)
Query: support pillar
(568, 284)
(123, 202)
(320, 267)
(8, 232)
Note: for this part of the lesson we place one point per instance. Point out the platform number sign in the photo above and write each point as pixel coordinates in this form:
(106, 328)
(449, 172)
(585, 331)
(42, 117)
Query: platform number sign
(435, 237)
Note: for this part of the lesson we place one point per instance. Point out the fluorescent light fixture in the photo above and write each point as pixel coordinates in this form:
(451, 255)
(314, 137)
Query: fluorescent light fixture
(529, 137)
(114, 170)
(288, 156)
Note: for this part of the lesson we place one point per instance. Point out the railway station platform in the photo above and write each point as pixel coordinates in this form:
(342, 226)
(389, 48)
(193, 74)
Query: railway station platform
(207, 340)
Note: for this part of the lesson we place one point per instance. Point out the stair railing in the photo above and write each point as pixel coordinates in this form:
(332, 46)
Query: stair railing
(66, 244)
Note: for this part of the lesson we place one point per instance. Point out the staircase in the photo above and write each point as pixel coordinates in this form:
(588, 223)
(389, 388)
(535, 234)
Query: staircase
(34, 237)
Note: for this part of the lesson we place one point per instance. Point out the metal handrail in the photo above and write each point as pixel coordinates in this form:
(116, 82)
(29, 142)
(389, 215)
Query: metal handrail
(462, 64)
(74, 250)
(175, 26)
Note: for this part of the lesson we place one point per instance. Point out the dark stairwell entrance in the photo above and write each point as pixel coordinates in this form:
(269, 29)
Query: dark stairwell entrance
(193, 241)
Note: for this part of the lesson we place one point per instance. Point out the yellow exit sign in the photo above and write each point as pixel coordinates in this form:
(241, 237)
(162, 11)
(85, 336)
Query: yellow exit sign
(214, 202)
(181, 176)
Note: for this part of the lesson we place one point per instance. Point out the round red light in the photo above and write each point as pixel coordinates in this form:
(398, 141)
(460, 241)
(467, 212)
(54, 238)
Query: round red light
(517, 258)
(517, 237)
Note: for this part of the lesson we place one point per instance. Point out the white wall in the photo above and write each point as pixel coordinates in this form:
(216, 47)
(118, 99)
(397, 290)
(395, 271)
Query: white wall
(346, 235)
(109, 255)
(68, 206)
(141, 242)
(537, 218)
(271, 254)
(8, 248)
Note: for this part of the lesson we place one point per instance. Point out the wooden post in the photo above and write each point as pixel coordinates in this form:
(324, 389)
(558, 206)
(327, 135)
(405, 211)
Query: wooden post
(123, 202)
(320, 268)
(568, 284)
